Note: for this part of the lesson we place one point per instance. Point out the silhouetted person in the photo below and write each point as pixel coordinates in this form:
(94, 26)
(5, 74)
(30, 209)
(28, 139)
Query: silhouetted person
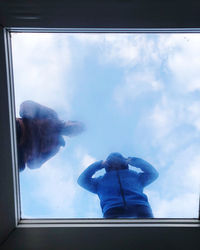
(40, 134)
(120, 189)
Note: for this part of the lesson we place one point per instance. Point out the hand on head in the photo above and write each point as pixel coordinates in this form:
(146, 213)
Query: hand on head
(105, 164)
(128, 160)
(115, 161)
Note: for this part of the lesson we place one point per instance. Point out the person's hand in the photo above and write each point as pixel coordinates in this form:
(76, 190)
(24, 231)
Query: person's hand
(128, 160)
(98, 165)
(104, 164)
(73, 128)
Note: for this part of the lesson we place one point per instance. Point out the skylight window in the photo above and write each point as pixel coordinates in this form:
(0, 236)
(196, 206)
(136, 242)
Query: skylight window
(136, 94)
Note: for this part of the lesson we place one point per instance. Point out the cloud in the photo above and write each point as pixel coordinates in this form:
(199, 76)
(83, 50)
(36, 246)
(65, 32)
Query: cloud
(181, 206)
(87, 160)
(164, 118)
(179, 187)
(136, 84)
(193, 117)
(176, 119)
(122, 50)
(172, 57)
(57, 189)
(139, 56)
(182, 60)
(53, 187)
(83, 157)
(184, 172)
(42, 64)
(128, 50)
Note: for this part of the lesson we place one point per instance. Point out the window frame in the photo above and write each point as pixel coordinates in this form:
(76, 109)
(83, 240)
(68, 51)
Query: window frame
(8, 90)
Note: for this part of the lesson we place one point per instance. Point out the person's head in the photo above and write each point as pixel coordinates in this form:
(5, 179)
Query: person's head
(115, 161)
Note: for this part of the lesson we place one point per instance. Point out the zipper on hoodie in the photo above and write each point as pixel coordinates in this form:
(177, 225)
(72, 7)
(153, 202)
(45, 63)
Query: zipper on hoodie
(121, 189)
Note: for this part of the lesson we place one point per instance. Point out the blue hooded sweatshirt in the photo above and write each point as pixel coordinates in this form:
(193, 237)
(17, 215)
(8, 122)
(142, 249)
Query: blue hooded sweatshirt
(119, 188)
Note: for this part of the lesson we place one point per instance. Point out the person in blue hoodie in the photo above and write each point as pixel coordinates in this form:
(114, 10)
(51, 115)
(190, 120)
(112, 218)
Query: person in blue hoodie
(120, 189)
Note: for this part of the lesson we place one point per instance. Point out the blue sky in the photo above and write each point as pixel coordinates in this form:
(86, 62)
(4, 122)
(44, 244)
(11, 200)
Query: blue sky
(138, 94)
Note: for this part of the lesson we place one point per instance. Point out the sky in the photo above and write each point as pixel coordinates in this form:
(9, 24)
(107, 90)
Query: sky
(138, 94)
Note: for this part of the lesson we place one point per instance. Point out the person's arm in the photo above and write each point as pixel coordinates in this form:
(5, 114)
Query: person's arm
(149, 174)
(86, 181)
(72, 128)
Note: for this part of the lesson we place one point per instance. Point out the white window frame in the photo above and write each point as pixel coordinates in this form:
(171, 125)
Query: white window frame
(11, 149)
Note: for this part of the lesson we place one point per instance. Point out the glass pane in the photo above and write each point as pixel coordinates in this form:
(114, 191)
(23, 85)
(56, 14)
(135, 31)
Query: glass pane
(136, 94)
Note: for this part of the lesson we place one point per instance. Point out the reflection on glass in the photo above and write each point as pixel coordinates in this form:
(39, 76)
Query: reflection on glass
(40, 134)
(136, 94)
